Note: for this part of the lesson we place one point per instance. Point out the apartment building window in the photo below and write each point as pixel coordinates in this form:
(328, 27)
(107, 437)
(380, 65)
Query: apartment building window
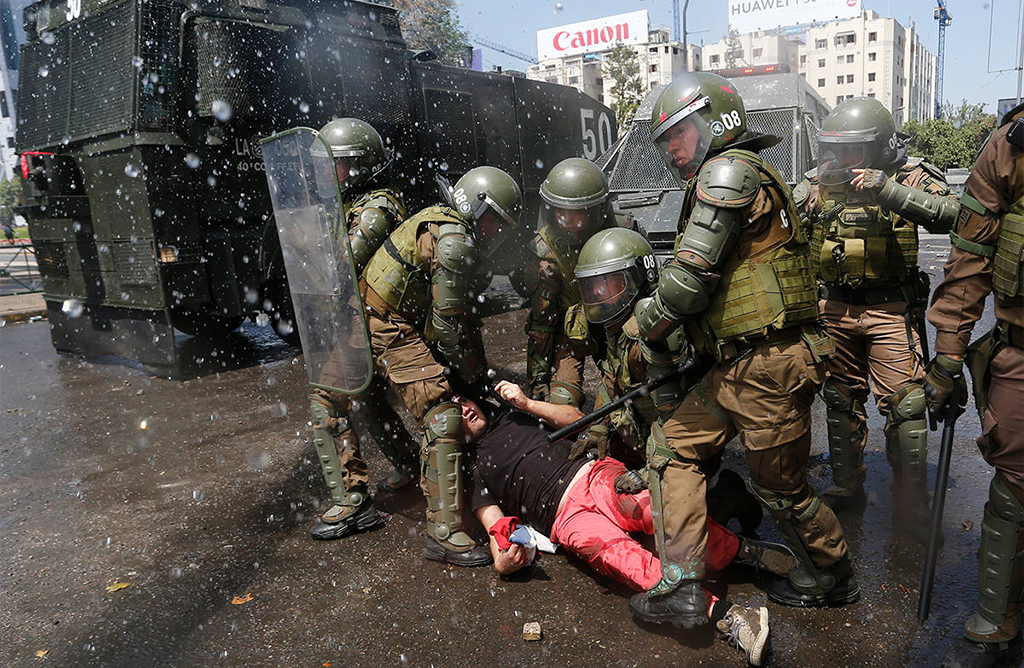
(574, 80)
(821, 62)
(821, 83)
(872, 57)
(10, 142)
(654, 49)
(3, 106)
(553, 80)
(872, 36)
(549, 67)
(839, 80)
(714, 59)
(845, 40)
(871, 95)
(666, 49)
(849, 57)
(840, 60)
(654, 68)
(849, 97)
(849, 78)
(839, 98)
(871, 76)
(757, 53)
(599, 81)
(675, 50)
(821, 44)
(803, 60)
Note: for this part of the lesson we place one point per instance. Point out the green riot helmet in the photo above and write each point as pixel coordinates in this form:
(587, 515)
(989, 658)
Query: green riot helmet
(575, 195)
(492, 200)
(697, 114)
(358, 152)
(615, 268)
(859, 133)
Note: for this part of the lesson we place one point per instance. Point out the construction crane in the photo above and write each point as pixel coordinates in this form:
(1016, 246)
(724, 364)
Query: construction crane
(944, 18)
(501, 48)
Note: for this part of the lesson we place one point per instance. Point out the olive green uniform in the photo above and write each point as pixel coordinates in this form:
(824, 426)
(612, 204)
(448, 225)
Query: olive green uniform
(988, 256)
(864, 248)
(417, 292)
(759, 320)
(370, 216)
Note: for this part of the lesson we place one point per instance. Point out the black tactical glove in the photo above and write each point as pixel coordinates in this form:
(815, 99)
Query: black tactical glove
(595, 437)
(939, 378)
(874, 179)
(631, 482)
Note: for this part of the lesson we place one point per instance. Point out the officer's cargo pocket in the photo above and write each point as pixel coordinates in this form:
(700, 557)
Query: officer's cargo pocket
(979, 361)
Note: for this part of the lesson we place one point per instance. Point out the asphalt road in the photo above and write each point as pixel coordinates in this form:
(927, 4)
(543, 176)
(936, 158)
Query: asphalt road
(199, 491)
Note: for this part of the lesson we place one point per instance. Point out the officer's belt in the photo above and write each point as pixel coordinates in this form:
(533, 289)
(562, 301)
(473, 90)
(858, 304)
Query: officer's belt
(733, 350)
(866, 296)
(1011, 334)
(374, 302)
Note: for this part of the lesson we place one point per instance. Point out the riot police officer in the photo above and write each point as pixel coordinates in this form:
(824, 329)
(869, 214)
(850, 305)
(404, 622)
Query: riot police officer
(864, 206)
(371, 208)
(988, 256)
(740, 280)
(576, 206)
(419, 291)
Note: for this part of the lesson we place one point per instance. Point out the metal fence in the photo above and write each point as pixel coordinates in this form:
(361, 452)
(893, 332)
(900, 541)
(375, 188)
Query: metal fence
(18, 270)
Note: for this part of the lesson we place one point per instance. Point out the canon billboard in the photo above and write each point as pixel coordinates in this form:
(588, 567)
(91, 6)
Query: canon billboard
(592, 36)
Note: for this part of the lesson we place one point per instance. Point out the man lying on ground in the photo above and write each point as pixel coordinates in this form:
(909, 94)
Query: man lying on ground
(574, 502)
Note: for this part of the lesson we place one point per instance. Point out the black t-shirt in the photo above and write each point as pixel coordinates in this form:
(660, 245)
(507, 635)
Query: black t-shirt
(517, 469)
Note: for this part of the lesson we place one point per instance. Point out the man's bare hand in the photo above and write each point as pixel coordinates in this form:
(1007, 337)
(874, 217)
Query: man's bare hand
(510, 560)
(513, 394)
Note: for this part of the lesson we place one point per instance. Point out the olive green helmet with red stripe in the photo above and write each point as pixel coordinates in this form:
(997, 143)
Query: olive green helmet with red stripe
(696, 116)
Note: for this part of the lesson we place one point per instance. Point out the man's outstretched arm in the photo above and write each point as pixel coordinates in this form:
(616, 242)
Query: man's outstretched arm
(505, 561)
(553, 415)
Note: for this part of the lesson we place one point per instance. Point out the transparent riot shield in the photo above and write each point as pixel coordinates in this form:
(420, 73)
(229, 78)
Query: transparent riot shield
(318, 261)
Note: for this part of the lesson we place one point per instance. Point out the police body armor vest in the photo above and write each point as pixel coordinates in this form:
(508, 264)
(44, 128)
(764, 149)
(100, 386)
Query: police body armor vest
(858, 244)
(770, 290)
(398, 275)
(641, 414)
(1008, 274)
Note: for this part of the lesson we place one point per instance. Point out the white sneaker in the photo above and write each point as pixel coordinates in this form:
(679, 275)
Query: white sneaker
(747, 630)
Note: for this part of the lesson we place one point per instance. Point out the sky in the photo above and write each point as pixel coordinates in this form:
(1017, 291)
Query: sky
(969, 58)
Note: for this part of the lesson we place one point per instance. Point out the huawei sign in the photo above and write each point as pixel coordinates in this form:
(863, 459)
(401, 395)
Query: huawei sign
(592, 36)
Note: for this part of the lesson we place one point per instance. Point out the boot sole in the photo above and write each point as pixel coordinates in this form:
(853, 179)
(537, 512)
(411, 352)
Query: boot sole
(756, 654)
(362, 522)
(443, 556)
(820, 601)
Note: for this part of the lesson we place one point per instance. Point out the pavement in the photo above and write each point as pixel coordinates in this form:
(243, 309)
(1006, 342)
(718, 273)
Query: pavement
(151, 522)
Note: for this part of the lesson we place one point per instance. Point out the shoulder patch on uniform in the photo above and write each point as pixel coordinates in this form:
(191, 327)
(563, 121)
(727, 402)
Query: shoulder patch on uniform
(728, 182)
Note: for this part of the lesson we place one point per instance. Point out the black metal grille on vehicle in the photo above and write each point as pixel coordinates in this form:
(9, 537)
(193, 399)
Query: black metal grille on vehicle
(640, 165)
(81, 83)
(812, 136)
(135, 262)
(160, 67)
(779, 122)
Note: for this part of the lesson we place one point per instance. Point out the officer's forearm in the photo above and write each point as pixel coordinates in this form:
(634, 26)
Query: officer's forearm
(936, 213)
(681, 293)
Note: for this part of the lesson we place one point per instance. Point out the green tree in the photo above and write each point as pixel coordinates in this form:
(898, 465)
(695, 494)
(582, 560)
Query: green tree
(10, 192)
(620, 65)
(953, 140)
(433, 25)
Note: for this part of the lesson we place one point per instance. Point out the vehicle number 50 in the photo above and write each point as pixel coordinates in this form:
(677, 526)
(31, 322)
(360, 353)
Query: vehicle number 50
(595, 143)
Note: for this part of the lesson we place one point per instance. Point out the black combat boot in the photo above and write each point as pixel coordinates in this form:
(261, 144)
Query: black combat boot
(763, 556)
(342, 520)
(685, 606)
(833, 586)
(475, 555)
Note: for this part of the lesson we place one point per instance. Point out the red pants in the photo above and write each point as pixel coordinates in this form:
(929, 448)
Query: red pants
(596, 522)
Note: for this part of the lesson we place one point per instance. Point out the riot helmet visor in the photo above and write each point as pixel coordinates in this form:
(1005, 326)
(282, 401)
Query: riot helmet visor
(842, 152)
(606, 296)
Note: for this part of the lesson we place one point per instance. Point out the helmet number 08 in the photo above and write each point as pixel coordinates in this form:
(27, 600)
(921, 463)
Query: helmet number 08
(595, 144)
(731, 120)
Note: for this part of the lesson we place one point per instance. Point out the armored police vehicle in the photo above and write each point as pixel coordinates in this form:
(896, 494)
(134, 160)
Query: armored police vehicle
(139, 124)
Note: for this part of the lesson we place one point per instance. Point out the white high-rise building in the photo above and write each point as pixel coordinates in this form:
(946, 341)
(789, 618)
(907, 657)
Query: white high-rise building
(754, 49)
(871, 56)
